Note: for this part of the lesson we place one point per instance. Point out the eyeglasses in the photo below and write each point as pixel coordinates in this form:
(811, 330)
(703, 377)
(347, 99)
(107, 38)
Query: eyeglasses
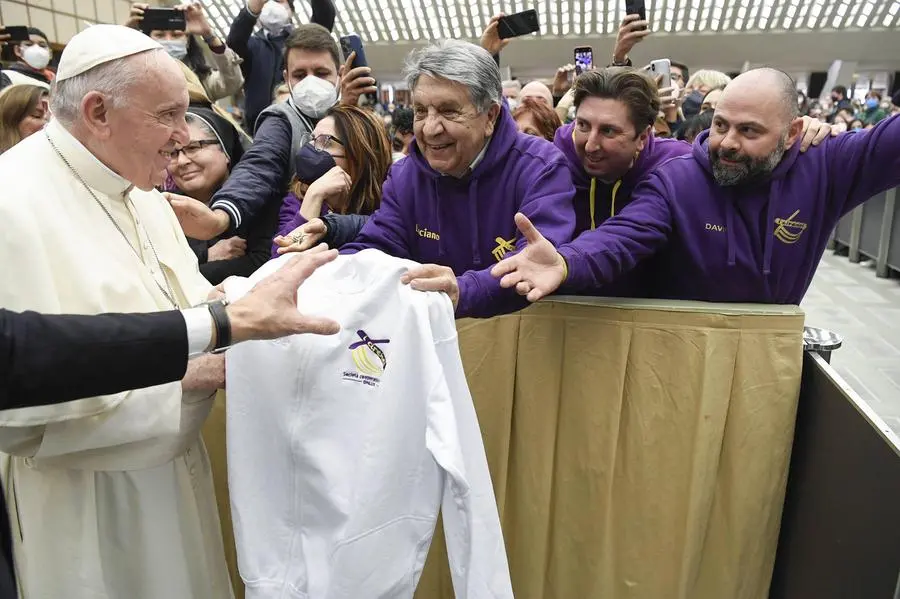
(192, 149)
(323, 142)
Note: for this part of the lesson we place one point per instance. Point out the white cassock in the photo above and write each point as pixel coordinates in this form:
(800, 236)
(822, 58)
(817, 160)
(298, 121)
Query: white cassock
(110, 497)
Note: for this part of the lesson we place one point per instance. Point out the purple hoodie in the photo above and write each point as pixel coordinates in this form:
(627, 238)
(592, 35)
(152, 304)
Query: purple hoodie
(759, 242)
(614, 197)
(467, 224)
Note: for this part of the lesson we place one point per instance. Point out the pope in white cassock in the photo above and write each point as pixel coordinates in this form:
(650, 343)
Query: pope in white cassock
(110, 497)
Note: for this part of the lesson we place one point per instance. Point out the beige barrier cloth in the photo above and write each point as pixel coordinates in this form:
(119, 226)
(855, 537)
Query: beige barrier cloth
(638, 449)
(214, 438)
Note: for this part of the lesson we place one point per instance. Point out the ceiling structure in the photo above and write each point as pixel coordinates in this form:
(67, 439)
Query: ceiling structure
(387, 21)
(800, 30)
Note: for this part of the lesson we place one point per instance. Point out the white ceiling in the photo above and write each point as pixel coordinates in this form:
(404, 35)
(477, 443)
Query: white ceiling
(388, 21)
(793, 34)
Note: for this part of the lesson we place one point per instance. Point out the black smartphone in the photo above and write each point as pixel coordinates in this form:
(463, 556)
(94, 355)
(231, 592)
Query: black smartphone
(521, 23)
(163, 19)
(636, 7)
(353, 43)
(17, 33)
(584, 59)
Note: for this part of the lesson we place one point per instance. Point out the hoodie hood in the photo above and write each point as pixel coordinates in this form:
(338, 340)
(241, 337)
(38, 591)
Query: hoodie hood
(700, 150)
(595, 200)
(774, 182)
(656, 151)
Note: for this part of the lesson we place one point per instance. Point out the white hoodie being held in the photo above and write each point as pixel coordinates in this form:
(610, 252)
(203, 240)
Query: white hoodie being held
(342, 449)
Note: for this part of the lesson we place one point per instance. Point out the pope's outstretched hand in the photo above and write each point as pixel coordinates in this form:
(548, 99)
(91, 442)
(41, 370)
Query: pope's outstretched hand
(536, 271)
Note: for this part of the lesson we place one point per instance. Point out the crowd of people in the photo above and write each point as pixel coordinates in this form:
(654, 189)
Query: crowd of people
(131, 188)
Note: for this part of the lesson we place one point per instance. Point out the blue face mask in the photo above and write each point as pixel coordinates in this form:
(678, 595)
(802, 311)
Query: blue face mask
(872, 103)
(691, 105)
(310, 163)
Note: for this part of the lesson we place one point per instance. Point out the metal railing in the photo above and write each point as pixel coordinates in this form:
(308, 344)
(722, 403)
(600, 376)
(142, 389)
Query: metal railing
(869, 232)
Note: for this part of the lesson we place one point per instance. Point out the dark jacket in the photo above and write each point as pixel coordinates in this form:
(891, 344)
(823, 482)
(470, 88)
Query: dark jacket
(263, 56)
(54, 359)
(26, 70)
(258, 233)
(262, 175)
(341, 229)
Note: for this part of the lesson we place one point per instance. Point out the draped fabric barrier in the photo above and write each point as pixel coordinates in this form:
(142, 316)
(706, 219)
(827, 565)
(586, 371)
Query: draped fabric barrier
(639, 449)
(214, 439)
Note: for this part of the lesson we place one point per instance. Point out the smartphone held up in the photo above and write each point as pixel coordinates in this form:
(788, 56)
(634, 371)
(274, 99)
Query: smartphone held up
(636, 7)
(661, 70)
(584, 59)
(163, 19)
(521, 23)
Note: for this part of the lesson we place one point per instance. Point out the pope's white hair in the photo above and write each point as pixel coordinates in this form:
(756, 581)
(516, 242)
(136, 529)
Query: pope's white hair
(113, 79)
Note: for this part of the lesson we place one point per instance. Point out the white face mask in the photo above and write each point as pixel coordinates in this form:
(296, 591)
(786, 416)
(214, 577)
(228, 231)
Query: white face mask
(314, 96)
(177, 49)
(36, 57)
(274, 17)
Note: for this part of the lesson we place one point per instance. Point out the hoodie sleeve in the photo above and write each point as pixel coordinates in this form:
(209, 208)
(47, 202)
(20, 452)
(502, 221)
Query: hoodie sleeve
(597, 257)
(477, 554)
(259, 176)
(385, 229)
(259, 248)
(547, 202)
(862, 164)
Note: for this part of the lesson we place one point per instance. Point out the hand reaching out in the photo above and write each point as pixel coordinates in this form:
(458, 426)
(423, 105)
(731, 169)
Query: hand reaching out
(536, 271)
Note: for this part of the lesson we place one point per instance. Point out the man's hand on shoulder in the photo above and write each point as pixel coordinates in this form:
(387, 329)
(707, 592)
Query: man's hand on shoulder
(815, 132)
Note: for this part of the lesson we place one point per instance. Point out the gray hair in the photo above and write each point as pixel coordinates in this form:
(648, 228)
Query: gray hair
(460, 62)
(113, 79)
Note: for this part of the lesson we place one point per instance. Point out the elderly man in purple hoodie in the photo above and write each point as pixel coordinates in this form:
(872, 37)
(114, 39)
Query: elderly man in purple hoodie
(744, 218)
(450, 203)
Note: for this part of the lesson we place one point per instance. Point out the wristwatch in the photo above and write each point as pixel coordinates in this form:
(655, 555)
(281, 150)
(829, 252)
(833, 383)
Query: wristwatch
(625, 63)
(219, 314)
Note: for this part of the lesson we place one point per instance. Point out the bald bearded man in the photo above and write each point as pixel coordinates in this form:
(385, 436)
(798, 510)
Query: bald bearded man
(111, 495)
(744, 218)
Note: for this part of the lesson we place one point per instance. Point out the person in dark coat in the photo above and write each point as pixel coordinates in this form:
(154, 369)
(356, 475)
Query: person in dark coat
(263, 51)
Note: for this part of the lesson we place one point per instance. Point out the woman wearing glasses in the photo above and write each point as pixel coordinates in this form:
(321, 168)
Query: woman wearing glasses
(199, 169)
(340, 170)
